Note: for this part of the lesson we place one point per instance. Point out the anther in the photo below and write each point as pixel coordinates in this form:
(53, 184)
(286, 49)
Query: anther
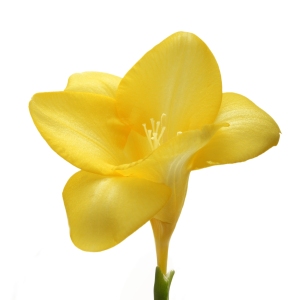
(162, 118)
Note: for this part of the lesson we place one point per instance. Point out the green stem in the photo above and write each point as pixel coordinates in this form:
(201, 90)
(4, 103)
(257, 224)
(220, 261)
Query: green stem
(162, 284)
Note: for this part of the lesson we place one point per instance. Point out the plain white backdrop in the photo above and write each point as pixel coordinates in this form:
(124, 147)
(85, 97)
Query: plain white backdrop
(238, 235)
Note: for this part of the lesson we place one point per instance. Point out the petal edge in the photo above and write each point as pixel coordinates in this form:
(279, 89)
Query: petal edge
(93, 82)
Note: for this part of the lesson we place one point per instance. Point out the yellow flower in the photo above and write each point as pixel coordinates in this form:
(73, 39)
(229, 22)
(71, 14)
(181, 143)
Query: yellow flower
(137, 139)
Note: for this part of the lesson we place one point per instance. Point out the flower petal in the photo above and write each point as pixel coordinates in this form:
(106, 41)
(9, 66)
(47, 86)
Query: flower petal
(137, 147)
(103, 211)
(179, 77)
(251, 132)
(170, 164)
(83, 128)
(94, 82)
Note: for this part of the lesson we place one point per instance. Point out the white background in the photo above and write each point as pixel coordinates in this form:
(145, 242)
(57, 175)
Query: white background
(238, 235)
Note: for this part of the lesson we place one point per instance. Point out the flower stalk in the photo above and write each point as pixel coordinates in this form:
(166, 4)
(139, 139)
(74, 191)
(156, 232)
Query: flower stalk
(162, 232)
(162, 284)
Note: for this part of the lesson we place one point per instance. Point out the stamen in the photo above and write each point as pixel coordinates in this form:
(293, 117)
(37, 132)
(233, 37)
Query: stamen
(155, 141)
(148, 136)
(162, 132)
(152, 124)
(150, 139)
(157, 126)
(154, 136)
(163, 116)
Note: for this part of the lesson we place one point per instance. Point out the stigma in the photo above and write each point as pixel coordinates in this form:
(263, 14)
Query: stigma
(155, 134)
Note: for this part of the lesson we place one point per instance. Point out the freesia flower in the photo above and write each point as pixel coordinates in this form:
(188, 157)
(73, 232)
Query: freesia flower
(137, 138)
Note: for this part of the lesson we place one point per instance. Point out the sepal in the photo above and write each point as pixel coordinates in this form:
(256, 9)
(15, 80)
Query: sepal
(162, 284)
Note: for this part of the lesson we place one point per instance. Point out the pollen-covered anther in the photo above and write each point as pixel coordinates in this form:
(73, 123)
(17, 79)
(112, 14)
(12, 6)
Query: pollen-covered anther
(155, 134)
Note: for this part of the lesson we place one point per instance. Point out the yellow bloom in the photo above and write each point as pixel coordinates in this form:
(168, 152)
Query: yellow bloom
(137, 139)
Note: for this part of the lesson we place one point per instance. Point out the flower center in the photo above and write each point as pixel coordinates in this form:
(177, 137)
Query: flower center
(155, 134)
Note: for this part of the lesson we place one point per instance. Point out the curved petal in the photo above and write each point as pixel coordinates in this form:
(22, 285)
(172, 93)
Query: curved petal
(137, 147)
(94, 82)
(170, 164)
(251, 132)
(83, 128)
(180, 78)
(103, 211)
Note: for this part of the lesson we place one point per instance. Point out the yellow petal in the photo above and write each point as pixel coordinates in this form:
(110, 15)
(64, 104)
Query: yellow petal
(179, 77)
(170, 164)
(251, 132)
(103, 211)
(137, 147)
(94, 82)
(83, 128)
